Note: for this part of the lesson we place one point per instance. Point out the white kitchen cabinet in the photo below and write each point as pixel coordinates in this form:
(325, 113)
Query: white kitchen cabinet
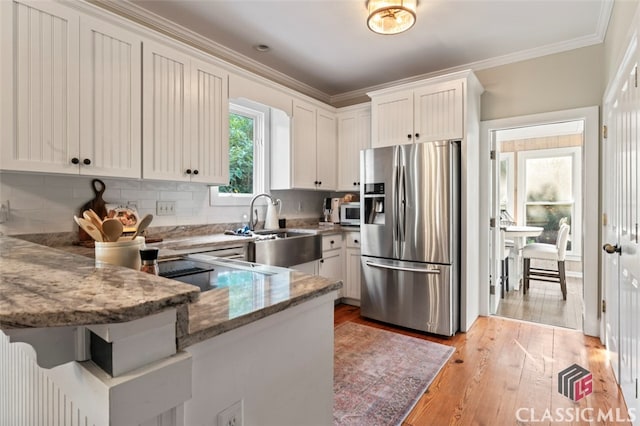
(110, 101)
(185, 117)
(331, 264)
(422, 113)
(70, 92)
(309, 158)
(351, 293)
(310, 268)
(354, 135)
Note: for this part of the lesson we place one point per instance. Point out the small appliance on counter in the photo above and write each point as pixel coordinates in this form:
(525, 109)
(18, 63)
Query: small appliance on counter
(335, 210)
(350, 214)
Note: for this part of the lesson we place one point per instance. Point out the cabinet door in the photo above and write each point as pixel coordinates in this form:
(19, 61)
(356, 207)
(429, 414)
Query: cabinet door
(438, 112)
(354, 135)
(165, 144)
(392, 119)
(110, 116)
(310, 268)
(39, 86)
(303, 145)
(353, 274)
(331, 265)
(210, 124)
(326, 151)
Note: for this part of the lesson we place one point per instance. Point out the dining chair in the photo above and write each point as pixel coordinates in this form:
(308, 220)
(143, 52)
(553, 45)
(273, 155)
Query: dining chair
(545, 251)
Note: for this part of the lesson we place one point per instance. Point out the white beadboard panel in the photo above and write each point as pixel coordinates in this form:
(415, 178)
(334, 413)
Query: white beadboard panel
(166, 109)
(29, 396)
(45, 102)
(392, 119)
(438, 112)
(210, 142)
(110, 114)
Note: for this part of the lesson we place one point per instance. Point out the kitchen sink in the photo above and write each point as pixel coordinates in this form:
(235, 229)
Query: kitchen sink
(285, 247)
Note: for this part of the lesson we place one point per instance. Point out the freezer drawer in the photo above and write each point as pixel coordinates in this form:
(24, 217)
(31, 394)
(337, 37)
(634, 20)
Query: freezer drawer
(415, 295)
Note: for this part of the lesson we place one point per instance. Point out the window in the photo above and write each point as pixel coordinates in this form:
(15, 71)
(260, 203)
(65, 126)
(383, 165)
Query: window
(248, 165)
(551, 185)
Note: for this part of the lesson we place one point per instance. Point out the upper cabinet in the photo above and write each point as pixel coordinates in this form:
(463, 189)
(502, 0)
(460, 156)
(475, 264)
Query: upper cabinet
(423, 113)
(308, 160)
(354, 135)
(70, 92)
(185, 117)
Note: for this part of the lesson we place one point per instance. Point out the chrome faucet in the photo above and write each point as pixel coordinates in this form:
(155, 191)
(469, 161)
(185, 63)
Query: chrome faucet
(252, 225)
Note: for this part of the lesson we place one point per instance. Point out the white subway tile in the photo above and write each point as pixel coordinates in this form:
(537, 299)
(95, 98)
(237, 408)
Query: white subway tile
(158, 185)
(138, 195)
(174, 195)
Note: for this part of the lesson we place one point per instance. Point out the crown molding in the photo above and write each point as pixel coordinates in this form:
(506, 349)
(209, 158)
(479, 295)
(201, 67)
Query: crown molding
(158, 23)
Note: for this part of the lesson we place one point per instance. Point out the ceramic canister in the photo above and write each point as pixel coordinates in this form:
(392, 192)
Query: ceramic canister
(124, 252)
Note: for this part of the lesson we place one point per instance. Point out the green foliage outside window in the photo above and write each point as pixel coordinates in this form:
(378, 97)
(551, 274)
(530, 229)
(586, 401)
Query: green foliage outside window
(240, 155)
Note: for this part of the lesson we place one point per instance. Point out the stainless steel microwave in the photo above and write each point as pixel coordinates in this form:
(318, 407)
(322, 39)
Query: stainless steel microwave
(350, 214)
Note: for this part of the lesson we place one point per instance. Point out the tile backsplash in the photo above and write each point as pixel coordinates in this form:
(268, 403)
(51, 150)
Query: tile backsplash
(43, 203)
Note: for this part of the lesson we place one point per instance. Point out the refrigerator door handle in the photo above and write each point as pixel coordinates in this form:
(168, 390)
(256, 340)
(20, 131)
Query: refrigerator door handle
(403, 268)
(402, 217)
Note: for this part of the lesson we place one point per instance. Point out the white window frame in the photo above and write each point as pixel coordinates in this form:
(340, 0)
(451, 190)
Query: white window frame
(261, 131)
(575, 152)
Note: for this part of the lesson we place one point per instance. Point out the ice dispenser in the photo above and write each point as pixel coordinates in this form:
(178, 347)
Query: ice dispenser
(374, 203)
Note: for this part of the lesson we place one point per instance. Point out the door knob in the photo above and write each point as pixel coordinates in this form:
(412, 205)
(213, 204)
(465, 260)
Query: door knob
(612, 248)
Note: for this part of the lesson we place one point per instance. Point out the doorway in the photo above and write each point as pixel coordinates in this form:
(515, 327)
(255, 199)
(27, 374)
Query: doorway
(539, 185)
(547, 163)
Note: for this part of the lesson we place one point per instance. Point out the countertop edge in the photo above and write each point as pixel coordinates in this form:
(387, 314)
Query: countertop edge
(191, 339)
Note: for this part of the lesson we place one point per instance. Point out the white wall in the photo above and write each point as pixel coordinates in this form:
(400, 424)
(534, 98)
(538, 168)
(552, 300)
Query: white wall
(47, 202)
(566, 80)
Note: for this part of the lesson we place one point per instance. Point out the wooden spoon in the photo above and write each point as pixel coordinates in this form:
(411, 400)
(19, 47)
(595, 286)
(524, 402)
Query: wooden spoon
(95, 221)
(88, 227)
(142, 225)
(112, 229)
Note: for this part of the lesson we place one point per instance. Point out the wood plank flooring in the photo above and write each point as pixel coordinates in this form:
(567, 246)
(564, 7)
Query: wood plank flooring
(504, 372)
(543, 304)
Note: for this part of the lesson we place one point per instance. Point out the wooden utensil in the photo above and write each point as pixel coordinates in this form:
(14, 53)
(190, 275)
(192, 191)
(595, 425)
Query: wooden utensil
(112, 229)
(88, 227)
(97, 205)
(92, 217)
(142, 225)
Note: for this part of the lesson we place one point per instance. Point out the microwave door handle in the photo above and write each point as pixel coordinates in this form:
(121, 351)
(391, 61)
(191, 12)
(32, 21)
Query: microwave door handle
(430, 271)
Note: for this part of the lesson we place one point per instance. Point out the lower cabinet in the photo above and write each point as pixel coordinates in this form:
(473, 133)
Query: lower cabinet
(331, 264)
(351, 289)
(310, 268)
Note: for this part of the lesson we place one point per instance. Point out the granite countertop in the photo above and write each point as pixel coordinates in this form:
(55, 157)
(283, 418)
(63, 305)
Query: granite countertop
(247, 297)
(46, 287)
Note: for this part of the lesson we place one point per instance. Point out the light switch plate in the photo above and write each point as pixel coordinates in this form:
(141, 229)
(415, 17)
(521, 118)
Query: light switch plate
(165, 208)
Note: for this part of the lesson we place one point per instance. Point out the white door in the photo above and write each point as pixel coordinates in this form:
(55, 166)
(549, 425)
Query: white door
(621, 263)
(496, 238)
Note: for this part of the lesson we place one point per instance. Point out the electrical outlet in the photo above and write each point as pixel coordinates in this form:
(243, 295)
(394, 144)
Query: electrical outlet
(165, 208)
(232, 415)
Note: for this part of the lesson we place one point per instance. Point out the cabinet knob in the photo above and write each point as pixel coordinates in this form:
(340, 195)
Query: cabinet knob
(354, 183)
(409, 136)
(75, 160)
(195, 172)
(358, 183)
(417, 135)
(188, 171)
(320, 182)
(321, 260)
(332, 242)
(355, 241)
(86, 161)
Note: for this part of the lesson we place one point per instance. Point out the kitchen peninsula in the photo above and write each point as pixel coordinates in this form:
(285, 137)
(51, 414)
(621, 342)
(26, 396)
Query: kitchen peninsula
(175, 356)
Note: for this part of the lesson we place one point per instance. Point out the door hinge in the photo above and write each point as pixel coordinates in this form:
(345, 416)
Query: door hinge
(605, 131)
(492, 155)
(604, 306)
(492, 222)
(636, 76)
(605, 219)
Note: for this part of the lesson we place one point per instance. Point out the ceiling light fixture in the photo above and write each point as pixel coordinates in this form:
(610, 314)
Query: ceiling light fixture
(391, 16)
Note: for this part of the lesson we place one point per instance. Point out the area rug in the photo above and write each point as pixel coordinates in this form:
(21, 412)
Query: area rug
(379, 375)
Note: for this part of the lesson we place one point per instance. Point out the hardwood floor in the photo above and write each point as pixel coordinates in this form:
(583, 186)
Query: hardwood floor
(543, 304)
(504, 372)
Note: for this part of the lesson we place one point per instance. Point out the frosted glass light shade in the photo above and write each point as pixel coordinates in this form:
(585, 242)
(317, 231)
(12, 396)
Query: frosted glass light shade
(391, 16)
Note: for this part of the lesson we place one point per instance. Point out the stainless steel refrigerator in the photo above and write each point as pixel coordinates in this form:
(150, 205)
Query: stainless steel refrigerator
(409, 201)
